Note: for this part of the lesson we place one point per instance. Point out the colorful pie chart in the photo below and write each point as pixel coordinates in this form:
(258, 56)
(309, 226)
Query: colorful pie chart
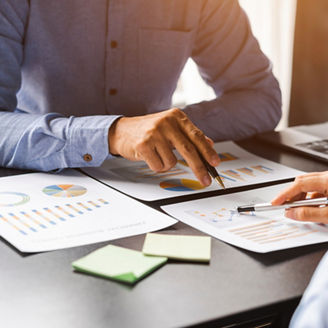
(181, 185)
(12, 198)
(64, 190)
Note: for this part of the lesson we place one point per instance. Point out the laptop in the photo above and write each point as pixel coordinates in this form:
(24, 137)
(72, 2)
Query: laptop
(311, 140)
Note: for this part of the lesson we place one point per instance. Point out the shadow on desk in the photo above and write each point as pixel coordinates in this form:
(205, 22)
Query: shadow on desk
(4, 172)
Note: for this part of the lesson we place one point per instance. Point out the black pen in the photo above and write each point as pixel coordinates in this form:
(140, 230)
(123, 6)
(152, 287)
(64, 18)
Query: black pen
(270, 207)
(212, 171)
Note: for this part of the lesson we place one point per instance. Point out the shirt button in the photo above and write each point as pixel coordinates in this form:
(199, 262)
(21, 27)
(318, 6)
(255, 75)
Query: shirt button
(113, 44)
(112, 92)
(87, 157)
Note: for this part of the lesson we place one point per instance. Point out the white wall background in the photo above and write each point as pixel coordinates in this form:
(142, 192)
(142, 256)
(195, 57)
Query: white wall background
(273, 23)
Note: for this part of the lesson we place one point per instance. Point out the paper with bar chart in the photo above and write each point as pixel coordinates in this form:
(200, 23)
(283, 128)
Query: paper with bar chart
(260, 232)
(238, 168)
(41, 212)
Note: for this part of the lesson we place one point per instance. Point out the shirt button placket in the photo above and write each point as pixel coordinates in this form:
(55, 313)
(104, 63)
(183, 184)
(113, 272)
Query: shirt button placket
(112, 92)
(113, 44)
(113, 56)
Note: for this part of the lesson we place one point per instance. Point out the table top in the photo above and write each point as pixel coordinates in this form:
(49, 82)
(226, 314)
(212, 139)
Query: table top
(42, 290)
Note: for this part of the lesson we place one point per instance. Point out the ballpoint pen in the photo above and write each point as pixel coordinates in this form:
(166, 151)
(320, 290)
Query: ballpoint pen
(212, 171)
(269, 207)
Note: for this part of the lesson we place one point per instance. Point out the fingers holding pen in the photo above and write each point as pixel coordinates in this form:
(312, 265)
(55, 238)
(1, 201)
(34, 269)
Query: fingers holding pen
(312, 185)
(165, 151)
(312, 182)
(146, 151)
(153, 137)
(190, 142)
(203, 144)
(189, 152)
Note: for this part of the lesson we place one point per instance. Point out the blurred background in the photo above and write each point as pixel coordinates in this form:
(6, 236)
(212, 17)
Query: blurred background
(294, 35)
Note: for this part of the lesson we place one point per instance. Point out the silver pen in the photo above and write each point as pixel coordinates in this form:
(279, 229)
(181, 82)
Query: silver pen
(270, 207)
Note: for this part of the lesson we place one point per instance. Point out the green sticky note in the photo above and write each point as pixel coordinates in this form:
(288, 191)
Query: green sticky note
(190, 248)
(118, 263)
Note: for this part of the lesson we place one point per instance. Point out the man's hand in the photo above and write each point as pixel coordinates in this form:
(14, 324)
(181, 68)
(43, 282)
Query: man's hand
(152, 138)
(311, 185)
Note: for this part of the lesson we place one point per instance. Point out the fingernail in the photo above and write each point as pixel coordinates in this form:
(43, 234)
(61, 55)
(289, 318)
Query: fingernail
(206, 181)
(215, 160)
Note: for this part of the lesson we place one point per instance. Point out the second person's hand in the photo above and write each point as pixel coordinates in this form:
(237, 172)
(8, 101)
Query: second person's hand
(311, 185)
(152, 138)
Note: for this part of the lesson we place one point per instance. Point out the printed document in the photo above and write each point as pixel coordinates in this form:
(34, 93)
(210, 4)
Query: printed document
(42, 212)
(260, 232)
(238, 168)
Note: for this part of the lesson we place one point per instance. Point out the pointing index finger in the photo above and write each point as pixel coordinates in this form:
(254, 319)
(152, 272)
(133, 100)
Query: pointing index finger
(198, 138)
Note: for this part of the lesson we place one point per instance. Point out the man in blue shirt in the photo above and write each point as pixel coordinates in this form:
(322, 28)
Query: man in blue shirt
(76, 76)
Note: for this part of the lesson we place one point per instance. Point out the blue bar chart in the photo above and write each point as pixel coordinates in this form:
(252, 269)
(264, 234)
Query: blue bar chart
(37, 219)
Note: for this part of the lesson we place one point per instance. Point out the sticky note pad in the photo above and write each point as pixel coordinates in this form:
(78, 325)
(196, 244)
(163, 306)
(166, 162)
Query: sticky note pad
(118, 263)
(190, 248)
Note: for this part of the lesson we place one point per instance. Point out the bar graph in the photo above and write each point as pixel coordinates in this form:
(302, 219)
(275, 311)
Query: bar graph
(233, 174)
(31, 221)
(12, 225)
(272, 231)
(263, 169)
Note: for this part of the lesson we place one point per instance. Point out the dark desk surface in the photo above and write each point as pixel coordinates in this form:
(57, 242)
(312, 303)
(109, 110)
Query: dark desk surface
(41, 290)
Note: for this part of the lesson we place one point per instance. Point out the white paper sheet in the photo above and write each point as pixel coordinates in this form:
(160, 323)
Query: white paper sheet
(41, 212)
(261, 232)
(238, 168)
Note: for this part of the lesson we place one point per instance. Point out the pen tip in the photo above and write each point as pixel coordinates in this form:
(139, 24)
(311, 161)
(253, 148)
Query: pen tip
(219, 181)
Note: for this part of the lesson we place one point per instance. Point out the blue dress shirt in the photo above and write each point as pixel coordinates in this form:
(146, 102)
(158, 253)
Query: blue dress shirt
(312, 312)
(69, 68)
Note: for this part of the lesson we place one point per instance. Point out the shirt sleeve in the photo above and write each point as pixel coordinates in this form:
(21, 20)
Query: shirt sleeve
(51, 141)
(231, 62)
(312, 311)
(40, 142)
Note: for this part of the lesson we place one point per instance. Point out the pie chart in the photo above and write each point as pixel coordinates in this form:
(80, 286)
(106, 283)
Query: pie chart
(181, 185)
(64, 190)
(11, 198)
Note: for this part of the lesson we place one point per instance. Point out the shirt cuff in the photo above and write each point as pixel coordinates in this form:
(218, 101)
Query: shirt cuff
(88, 145)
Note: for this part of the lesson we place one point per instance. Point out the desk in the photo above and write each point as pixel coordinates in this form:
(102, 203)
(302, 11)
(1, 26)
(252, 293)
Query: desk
(41, 290)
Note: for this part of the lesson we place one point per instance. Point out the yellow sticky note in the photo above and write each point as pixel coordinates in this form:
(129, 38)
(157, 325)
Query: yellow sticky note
(188, 248)
(118, 263)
